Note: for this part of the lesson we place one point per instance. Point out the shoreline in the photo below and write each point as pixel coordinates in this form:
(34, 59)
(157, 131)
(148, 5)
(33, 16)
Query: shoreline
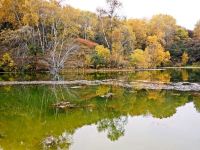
(177, 86)
(85, 70)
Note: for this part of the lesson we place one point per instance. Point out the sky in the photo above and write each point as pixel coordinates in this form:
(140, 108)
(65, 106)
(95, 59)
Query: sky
(186, 12)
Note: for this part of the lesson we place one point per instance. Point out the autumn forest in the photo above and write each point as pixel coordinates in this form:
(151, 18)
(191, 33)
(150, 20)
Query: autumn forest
(40, 35)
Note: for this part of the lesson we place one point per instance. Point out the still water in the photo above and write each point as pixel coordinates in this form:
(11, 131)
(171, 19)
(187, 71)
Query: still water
(136, 119)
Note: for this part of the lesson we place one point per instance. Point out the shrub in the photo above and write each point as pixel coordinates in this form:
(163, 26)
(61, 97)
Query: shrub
(101, 57)
(7, 63)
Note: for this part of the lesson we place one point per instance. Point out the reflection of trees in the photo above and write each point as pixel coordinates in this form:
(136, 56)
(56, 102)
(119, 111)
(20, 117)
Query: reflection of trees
(28, 105)
(185, 75)
(196, 100)
(102, 90)
(158, 103)
(159, 76)
(114, 127)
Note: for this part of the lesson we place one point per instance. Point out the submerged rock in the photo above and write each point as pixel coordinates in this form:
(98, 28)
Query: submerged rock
(137, 84)
(64, 105)
(65, 138)
(108, 95)
(50, 141)
(61, 142)
(76, 87)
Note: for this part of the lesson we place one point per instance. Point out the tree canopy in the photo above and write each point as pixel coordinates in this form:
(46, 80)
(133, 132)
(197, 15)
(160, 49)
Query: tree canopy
(40, 28)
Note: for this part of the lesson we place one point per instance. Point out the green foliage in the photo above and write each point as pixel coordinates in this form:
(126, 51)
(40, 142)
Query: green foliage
(138, 59)
(97, 61)
(181, 34)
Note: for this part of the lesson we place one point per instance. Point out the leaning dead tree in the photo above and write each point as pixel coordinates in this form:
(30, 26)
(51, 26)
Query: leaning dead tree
(60, 54)
(63, 45)
(58, 37)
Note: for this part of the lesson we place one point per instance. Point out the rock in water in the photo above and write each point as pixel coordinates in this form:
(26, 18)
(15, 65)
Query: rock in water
(50, 141)
(64, 105)
(108, 95)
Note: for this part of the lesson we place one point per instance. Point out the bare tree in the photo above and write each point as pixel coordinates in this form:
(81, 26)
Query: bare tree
(108, 18)
(60, 54)
(61, 46)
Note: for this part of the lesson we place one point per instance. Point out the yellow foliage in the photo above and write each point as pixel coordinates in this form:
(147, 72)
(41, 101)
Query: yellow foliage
(102, 90)
(153, 76)
(164, 27)
(139, 28)
(31, 9)
(197, 30)
(185, 75)
(185, 58)
(155, 95)
(102, 52)
(88, 60)
(155, 53)
(117, 47)
(10, 11)
(153, 56)
(6, 63)
(138, 59)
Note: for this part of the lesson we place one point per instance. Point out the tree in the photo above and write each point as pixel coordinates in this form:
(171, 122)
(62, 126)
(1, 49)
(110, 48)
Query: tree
(101, 56)
(140, 29)
(178, 46)
(124, 40)
(181, 34)
(30, 11)
(102, 52)
(164, 27)
(88, 22)
(155, 53)
(7, 63)
(192, 47)
(197, 30)
(185, 58)
(109, 20)
(138, 59)
(11, 12)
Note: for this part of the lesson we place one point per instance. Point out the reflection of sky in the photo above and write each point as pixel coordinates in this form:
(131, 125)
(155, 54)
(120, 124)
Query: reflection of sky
(185, 11)
(179, 132)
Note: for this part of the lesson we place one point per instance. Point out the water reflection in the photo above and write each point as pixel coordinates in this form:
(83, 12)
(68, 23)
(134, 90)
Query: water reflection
(143, 133)
(63, 141)
(115, 127)
(26, 115)
(168, 75)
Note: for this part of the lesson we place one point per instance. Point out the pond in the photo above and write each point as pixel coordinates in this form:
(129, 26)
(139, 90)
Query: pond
(127, 119)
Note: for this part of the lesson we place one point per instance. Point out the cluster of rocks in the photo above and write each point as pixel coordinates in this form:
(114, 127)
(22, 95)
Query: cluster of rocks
(51, 141)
